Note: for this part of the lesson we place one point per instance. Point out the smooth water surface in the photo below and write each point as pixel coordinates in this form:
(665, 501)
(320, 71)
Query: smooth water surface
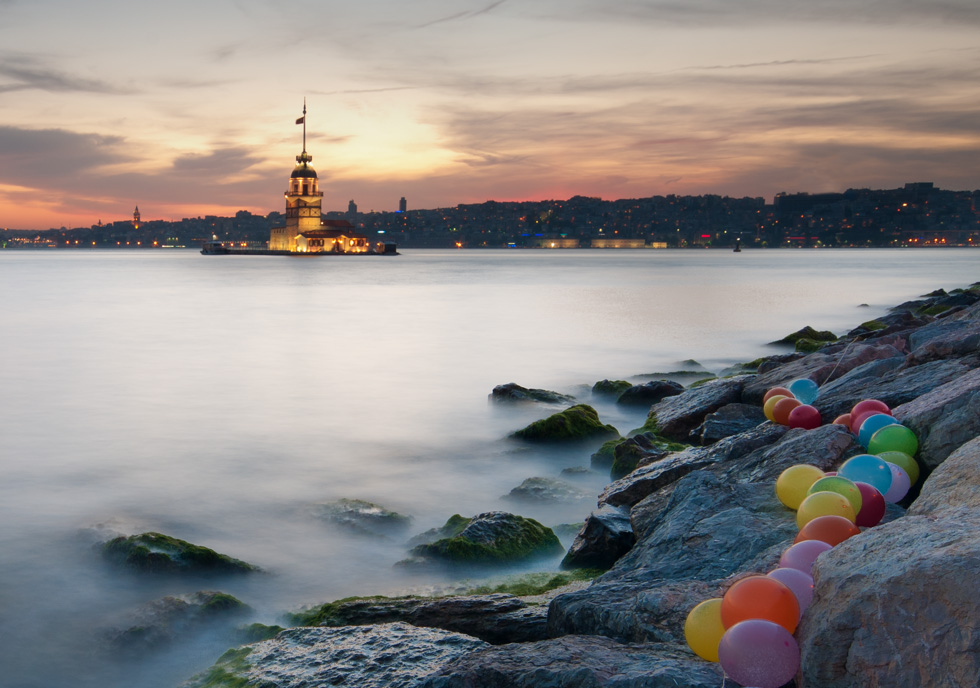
(219, 399)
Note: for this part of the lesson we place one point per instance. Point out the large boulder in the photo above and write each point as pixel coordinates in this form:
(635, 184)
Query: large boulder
(579, 662)
(545, 490)
(362, 517)
(514, 393)
(945, 339)
(730, 419)
(610, 388)
(580, 422)
(606, 536)
(158, 553)
(492, 537)
(897, 605)
(162, 621)
(394, 655)
(634, 451)
(676, 417)
(649, 392)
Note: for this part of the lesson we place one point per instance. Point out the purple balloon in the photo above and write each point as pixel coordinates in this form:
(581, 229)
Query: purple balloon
(900, 484)
(800, 583)
(756, 652)
(802, 555)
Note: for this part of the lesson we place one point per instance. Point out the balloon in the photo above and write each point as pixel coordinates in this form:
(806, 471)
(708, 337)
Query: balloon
(780, 391)
(771, 404)
(841, 486)
(830, 474)
(904, 461)
(858, 419)
(844, 420)
(804, 416)
(800, 583)
(830, 529)
(872, 506)
(870, 405)
(760, 597)
(868, 469)
(894, 438)
(792, 484)
(759, 653)
(782, 408)
(873, 424)
(703, 629)
(804, 389)
(900, 484)
(824, 504)
(802, 555)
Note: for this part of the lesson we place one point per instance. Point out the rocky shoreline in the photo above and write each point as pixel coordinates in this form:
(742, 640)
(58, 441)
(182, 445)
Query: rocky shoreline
(691, 508)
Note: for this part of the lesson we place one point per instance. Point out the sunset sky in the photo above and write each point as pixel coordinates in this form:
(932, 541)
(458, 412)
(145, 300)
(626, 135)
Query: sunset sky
(187, 108)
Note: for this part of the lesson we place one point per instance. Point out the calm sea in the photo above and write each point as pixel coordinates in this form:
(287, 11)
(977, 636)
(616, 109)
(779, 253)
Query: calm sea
(219, 399)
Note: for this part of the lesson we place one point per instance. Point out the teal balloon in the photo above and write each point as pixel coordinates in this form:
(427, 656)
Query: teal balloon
(894, 438)
(804, 389)
(873, 424)
(869, 469)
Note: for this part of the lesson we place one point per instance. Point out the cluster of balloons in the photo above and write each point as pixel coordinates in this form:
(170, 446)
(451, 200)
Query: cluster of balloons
(749, 630)
(792, 405)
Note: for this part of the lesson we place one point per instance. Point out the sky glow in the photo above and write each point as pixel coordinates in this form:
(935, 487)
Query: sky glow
(187, 108)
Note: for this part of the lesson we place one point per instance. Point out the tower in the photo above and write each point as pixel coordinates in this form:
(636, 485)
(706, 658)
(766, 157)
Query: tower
(303, 200)
(402, 205)
(352, 208)
(136, 218)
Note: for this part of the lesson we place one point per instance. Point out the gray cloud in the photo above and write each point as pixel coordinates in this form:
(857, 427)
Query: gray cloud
(463, 15)
(226, 161)
(42, 155)
(26, 73)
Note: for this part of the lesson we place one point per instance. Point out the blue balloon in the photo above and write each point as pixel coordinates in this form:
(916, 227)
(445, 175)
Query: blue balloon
(804, 389)
(873, 424)
(868, 468)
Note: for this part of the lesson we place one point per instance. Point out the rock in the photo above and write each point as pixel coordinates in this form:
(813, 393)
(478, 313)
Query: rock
(730, 419)
(393, 655)
(606, 536)
(675, 417)
(944, 419)
(769, 363)
(364, 517)
(955, 484)
(901, 321)
(161, 621)
(603, 457)
(493, 537)
(157, 553)
(540, 489)
(649, 392)
(629, 453)
(577, 472)
(514, 393)
(577, 423)
(494, 618)
(807, 333)
(944, 339)
(610, 388)
(579, 662)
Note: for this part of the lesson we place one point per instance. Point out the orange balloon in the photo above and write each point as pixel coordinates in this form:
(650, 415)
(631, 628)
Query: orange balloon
(776, 391)
(844, 420)
(771, 404)
(781, 411)
(760, 597)
(830, 529)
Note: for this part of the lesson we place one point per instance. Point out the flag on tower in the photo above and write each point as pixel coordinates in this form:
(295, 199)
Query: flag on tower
(301, 119)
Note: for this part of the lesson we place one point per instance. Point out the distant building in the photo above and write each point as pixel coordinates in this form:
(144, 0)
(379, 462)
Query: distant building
(402, 205)
(136, 218)
(618, 243)
(352, 208)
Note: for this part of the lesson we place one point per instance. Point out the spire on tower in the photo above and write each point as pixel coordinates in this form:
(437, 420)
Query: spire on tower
(304, 157)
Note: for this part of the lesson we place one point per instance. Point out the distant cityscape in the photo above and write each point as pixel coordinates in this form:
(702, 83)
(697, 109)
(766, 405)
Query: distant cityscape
(918, 214)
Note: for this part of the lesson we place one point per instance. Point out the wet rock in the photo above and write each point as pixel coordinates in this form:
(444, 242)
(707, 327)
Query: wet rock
(160, 622)
(955, 484)
(157, 553)
(649, 392)
(610, 388)
(944, 339)
(630, 453)
(606, 536)
(577, 423)
(395, 655)
(539, 489)
(493, 537)
(514, 393)
(901, 321)
(730, 419)
(807, 333)
(675, 417)
(494, 618)
(770, 363)
(582, 662)
(364, 517)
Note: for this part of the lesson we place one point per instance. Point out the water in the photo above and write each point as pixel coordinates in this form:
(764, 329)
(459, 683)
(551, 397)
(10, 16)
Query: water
(220, 398)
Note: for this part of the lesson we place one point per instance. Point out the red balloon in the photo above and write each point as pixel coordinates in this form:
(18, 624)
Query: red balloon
(760, 597)
(858, 418)
(782, 409)
(870, 405)
(777, 391)
(830, 529)
(805, 416)
(872, 505)
(844, 420)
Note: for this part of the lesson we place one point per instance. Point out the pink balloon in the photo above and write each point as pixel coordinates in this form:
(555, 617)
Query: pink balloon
(802, 555)
(759, 653)
(872, 505)
(800, 583)
(900, 484)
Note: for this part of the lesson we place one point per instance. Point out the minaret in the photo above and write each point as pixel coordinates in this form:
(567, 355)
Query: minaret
(303, 199)
(136, 218)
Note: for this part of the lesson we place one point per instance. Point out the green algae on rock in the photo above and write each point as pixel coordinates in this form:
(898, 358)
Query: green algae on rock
(610, 388)
(807, 333)
(493, 537)
(580, 422)
(158, 553)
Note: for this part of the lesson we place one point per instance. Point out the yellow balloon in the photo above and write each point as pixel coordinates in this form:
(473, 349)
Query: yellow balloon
(824, 504)
(703, 629)
(903, 461)
(840, 485)
(792, 484)
(769, 405)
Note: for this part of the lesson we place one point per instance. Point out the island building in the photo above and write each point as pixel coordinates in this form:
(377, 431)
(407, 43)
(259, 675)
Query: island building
(305, 231)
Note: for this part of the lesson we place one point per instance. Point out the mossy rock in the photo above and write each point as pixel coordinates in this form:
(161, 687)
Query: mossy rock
(808, 346)
(872, 325)
(453, 527)
(610, 388)
(603, 458)
(333, 613)
(578, 423)
(158, 553)
(225, 673)
(363, 517)
(256, 632)
(535, 583)
(807, 333)
(935, 309)
(493, 537)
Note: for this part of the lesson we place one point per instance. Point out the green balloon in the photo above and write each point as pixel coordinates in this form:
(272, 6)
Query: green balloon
(894, 438)
(842, 486)
(903, 461)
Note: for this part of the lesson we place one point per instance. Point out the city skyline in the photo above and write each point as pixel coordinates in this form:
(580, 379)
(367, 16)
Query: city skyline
(188, 109)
